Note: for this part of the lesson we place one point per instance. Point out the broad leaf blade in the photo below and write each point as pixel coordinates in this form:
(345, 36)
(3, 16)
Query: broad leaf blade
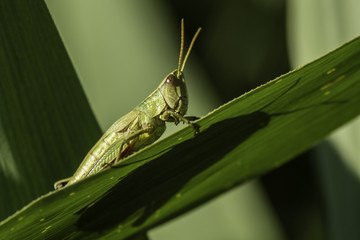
(46, 124)
(253, 134)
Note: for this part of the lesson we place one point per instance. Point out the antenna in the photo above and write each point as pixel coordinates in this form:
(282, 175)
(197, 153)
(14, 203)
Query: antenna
(190, 47)
(181, 47)
(181, 66)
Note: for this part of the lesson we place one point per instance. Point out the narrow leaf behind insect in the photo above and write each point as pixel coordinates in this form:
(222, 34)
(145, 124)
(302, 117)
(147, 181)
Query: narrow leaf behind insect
(247, 137)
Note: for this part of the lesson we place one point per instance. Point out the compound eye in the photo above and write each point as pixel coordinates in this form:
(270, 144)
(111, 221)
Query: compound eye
(170, 79)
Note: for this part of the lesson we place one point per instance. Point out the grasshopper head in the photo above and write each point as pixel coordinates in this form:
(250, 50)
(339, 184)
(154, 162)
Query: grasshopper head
(173, 90)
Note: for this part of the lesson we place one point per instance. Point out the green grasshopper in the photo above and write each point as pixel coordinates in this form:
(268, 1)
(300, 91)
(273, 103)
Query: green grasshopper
(143, 125)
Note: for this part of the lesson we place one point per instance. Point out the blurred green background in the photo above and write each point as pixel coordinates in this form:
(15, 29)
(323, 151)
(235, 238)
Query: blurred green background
(121, 50)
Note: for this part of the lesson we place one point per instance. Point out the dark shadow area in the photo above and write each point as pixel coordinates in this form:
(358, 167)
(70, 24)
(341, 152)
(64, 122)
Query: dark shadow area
(294, 194)
(340, 190)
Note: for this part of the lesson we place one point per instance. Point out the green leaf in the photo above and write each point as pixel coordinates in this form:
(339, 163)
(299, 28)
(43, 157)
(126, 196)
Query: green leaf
(46, 124)
(244, 138)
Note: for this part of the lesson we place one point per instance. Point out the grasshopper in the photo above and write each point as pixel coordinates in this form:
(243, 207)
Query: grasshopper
(143, 125)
